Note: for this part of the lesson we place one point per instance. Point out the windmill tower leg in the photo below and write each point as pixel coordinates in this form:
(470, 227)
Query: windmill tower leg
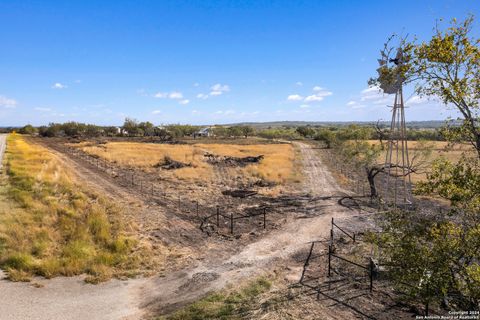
(397, 191)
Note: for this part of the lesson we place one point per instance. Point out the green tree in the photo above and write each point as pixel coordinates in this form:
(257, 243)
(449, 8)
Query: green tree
(147, 128)
(110, 131)
(131, 127)
(28, 129)
(220, 131)
(306, 131)
(327, 136)
(246, 131)
(235, 131)
(448, 67)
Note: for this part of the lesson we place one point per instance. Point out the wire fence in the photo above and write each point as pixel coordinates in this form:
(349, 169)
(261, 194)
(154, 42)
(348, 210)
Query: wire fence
(211, 218)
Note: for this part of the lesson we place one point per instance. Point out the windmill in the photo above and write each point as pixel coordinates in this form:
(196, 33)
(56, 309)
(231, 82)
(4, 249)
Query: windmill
(397, 180)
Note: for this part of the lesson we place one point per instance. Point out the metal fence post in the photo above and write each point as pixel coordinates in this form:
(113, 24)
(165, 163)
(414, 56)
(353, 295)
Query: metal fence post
(371, 274)
(329, 259)
(218, 216)
(231, 223)
(264, 218)
(331, 236)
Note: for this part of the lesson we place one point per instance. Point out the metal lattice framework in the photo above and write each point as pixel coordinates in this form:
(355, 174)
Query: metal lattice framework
(397, 191)
(397, 166)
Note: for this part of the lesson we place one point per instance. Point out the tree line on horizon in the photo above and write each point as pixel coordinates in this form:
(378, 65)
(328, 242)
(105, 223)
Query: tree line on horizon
(134, 128)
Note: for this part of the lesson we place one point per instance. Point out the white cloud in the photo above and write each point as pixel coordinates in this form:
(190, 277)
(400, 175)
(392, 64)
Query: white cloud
(358, 106)
(294, 97)
(319, 95)
(7, 102)
(58, 85)
(156, 112)
(184, 101)
(160, 95)
(323, 93)
(304, 106)
(298, 83)
(196, 84)
(374, 95)
(370, 97)
(314, 98)
(42, 109)
(418, 100)
(175, 95)
(202, 96)
(219, 89)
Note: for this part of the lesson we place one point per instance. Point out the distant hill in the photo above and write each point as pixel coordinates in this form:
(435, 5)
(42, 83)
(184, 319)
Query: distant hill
(431, 124)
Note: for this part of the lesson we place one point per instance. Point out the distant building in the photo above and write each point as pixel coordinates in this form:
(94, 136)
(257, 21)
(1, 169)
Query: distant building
(204, 132)
(121, 131)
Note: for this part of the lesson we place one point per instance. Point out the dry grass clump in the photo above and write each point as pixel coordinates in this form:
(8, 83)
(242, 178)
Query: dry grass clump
(277, 165)
(54, 226)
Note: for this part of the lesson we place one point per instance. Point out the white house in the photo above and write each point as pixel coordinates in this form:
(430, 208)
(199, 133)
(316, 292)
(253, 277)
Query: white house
(204, 132)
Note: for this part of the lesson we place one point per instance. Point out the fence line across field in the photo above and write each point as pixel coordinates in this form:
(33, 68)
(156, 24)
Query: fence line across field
(152, 189)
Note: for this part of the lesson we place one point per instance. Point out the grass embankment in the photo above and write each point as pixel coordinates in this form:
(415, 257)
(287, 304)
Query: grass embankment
(277, 165)
(234, 305)
(50, 225)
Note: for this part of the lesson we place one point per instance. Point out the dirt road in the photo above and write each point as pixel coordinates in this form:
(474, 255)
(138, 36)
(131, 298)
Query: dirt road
(3, 144)
(70, 297)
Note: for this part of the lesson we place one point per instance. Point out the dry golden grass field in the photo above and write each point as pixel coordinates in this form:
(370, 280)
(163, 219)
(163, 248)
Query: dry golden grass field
(50, 224)
(277, 165)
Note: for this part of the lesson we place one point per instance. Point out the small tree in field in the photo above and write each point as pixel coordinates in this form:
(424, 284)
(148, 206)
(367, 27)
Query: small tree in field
(327, 136)
(306, 131)
(247, 131)
(131, 127)
(367, 156)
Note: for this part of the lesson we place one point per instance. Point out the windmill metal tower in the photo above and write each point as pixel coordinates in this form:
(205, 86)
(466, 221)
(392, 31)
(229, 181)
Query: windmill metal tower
(397, 180)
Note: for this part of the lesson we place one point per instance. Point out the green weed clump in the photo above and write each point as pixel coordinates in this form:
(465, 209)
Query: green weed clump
(223, 306)
(50, 225)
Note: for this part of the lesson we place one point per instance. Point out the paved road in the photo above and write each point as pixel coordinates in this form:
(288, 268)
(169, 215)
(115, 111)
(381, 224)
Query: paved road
(3, 144)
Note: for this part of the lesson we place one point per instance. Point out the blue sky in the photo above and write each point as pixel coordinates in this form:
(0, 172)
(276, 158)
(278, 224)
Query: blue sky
(205, 62)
